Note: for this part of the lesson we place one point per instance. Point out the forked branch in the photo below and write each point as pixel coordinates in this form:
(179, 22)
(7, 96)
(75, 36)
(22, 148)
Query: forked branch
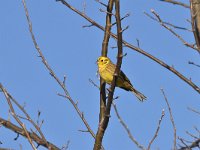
(33, 136)
(139, 50)
(52, 73)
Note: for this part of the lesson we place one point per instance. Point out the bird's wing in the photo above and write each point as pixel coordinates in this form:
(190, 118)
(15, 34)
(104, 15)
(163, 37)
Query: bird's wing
(124, 78)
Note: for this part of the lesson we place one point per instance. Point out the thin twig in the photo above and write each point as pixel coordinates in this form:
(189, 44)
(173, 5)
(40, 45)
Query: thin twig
(189, 147)
(173, 32)
(66, 146)
(176, 3)
(53, 74)
(171, 118)
(28, 117)
(126, 128)
(190, 134)
(157, 130)
(192, 63)
(15, 116)
(34, 136)
(194, 110)
(120, 119)
(139, 50)
(185, 147)
(197, 130)
(127, 15)
(101, 3)
(167, 23)
(107, 12)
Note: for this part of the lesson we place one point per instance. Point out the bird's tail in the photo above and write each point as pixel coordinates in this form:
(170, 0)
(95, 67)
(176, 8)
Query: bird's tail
(139, 95)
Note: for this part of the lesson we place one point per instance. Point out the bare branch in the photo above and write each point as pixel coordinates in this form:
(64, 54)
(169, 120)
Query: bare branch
(15, 116)
(66, 146)
(190, 134)
(192, 63)
(173, 32)
(101, 3)
(27, 116)
(120, 119)
(176, 3)
(126, 128)
(139, 50)
(105, 120)
(197, 129)
(157, 130)
(167, 23)
(127, 15)
(194, 110)
(195, 20)
(104, 52)
(171, 118)
(61, 84)
(183, 141)
(35, 137)
(193, 145)
(107, 12)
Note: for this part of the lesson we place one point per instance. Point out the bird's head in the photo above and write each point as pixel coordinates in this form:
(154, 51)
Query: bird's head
(103, 61)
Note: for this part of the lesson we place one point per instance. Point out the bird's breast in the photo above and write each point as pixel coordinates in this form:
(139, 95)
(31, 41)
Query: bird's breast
(106, 75)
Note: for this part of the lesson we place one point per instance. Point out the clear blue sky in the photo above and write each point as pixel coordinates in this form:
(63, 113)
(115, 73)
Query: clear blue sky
(72, 51)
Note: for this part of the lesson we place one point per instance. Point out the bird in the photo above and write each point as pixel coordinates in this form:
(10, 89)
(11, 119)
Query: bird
(106, 70)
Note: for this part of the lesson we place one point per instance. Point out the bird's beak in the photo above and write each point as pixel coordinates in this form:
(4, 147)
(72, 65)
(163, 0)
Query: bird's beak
(96, 62)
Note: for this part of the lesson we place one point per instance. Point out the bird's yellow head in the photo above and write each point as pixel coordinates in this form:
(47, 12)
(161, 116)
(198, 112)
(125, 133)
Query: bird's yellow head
(103, 61)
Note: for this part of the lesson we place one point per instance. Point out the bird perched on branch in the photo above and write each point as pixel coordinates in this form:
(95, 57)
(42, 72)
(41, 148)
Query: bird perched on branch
(106, 70)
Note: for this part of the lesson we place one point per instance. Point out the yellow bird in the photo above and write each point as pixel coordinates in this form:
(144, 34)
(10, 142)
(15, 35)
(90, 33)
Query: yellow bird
(106, 70)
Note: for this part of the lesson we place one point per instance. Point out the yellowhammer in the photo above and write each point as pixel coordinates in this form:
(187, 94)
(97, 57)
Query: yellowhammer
(106, 70)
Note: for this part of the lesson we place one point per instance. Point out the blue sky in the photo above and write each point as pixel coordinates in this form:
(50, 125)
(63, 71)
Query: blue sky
(72, 51)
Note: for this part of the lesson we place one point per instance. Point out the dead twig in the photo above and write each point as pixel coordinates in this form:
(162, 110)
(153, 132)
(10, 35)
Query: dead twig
(194, 110)
(173, 32)
(167, 23)
(171, 118)
(176, 3)
(15, 116)
(157, 130)
(52, 73)
(27, 116)
(132, 47)
(190, 146)
(192, 63)
(126, 128)
(34, 136)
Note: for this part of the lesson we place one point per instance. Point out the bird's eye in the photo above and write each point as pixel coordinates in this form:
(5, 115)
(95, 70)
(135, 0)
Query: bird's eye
(102, 60)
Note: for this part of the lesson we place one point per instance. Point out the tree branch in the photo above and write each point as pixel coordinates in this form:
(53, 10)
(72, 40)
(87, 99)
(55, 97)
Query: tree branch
(23, 110)
(173, 32)
(171, 118)
(52, 73)
(104, 122)
(121, 120)
(127, 129)
(193, 145)
(104, 52)
(157, 130)
(195, 20)
(139, 50)
(33, 136)
(15, 116)
(176, 3)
